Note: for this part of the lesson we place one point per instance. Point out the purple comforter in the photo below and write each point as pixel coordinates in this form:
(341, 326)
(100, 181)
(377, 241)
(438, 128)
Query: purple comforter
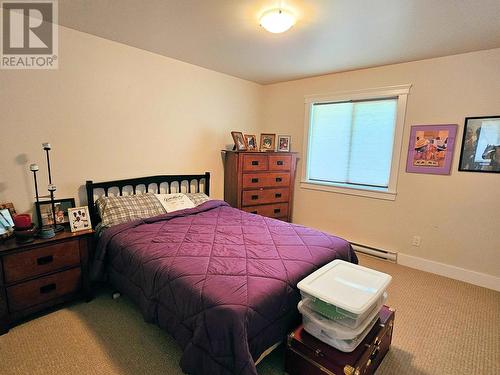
(220, 280)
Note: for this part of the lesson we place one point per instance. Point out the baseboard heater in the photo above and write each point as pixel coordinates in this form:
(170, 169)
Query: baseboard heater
(379, 253)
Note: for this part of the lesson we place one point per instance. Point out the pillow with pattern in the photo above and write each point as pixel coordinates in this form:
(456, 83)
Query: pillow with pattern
(122, 209)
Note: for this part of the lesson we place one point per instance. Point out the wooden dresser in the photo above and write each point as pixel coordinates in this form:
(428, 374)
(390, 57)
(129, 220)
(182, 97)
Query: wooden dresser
(42, 274)
(260, 182)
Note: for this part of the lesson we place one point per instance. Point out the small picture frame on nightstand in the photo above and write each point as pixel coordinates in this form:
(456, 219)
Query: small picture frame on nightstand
(79, 219)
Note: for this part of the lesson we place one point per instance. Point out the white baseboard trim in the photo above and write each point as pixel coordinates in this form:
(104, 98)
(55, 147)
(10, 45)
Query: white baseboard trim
(457, 273)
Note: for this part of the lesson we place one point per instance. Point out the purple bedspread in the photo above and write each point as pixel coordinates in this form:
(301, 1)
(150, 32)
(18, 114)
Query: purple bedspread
(220, 280)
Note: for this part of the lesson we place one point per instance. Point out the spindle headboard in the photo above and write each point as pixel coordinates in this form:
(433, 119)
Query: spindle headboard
(164, 180)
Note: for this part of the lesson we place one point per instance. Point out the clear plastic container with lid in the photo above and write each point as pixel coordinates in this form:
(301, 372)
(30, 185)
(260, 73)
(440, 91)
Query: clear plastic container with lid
(332, 333)
(345, 292)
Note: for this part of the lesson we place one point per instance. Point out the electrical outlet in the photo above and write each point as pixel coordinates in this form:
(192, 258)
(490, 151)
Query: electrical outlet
(416, 241)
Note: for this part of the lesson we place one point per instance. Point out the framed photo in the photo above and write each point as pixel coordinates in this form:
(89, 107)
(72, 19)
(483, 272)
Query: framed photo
(267, 142)
(481, 145)
(284, 143)
(79, 219)
(251, 141)
(239, 141)
(6, 223)
(61, 209)
(431, 149)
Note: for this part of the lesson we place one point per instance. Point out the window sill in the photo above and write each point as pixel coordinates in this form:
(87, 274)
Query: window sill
(350, 190)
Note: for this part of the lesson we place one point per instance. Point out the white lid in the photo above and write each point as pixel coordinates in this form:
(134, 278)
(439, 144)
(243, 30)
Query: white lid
(346, 285)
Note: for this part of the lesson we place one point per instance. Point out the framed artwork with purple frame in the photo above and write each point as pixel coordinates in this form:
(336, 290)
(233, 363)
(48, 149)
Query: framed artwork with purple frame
(431, 149)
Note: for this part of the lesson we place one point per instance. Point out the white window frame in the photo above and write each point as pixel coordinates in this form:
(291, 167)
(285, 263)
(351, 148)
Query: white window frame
(401, 93)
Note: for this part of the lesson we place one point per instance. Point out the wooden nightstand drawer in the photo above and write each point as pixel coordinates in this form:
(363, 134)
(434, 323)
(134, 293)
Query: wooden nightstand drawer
(280, 162)
(255, 162)
(254, 197)
(275, 179)
(270, 210)
(41, 260)
(43, 289)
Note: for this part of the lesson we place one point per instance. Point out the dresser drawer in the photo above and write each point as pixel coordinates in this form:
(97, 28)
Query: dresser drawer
(255, 162)
(276, 210)
(41, 260)
(254, 197)
(44, 289)
(271, 179)
(280, 162)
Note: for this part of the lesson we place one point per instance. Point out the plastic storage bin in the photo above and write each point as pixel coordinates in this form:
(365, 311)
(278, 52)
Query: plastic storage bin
(345, 292)
(332, 333)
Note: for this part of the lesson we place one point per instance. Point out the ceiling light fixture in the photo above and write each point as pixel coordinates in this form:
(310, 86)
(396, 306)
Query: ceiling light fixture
(277, 20)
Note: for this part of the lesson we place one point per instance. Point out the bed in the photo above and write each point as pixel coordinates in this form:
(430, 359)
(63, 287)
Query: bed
(220, 280)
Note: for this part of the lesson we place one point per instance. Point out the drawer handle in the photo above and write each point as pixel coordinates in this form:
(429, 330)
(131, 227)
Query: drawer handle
(255, 162)
(277, 210)
(255, 197)
(277, 195)
(279, 162)
(255, 180)
(47, 288)
(279, 179)
(319, 353)
(45, 260)
(254, 212)
(372, 356)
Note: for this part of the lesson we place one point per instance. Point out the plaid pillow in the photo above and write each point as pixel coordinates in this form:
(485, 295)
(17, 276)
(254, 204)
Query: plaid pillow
(117, 210)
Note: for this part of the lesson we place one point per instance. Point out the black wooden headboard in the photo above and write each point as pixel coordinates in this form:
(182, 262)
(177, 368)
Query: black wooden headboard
(134, 183)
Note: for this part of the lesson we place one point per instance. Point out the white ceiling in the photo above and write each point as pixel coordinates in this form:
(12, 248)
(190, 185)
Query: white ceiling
(329, 36)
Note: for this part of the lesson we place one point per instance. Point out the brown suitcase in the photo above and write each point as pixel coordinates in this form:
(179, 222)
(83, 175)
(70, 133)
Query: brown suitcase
(307, 355)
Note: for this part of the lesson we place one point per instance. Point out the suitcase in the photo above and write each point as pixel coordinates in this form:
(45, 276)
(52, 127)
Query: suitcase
(307, 355)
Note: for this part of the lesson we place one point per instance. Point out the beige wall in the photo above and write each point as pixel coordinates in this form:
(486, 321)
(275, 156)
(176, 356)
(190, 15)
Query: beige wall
(457, 216)
(112, 111)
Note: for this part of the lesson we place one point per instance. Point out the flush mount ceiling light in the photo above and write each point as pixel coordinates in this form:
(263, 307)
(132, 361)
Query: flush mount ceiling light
(277, 20)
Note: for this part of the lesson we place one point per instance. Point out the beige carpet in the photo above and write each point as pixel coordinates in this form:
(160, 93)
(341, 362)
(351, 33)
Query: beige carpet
(442, 327)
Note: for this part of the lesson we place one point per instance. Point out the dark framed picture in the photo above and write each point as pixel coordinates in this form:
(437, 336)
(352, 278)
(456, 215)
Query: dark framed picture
(267, 142)
(239, 141)
(79, 219)
(251, 141)
(284, 143)
(61, 209)
(481, 145)
(431, 149)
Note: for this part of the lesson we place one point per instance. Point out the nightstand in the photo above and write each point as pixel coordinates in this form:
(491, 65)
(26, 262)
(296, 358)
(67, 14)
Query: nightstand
(42, 274)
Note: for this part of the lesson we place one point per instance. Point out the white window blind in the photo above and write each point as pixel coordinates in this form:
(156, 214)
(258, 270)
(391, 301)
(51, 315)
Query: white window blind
(352, 142)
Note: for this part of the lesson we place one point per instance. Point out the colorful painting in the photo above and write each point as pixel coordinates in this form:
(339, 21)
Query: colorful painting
(431, 149)
(481, 145)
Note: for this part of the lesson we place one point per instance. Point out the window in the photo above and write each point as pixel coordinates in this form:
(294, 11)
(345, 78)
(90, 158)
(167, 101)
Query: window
(354, 141)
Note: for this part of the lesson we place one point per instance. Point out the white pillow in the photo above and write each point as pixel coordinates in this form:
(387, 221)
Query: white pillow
(175, 202)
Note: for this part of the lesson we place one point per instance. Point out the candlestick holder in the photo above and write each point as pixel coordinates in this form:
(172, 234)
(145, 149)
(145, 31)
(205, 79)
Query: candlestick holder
(51, 188)
(34, 168)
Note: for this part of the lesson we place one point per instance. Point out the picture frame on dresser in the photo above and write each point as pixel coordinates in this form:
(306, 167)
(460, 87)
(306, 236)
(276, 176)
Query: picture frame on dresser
(267, 142)
(44, 208)
(79, 219)
(239, 141)
(251, 141)
(284, 143)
